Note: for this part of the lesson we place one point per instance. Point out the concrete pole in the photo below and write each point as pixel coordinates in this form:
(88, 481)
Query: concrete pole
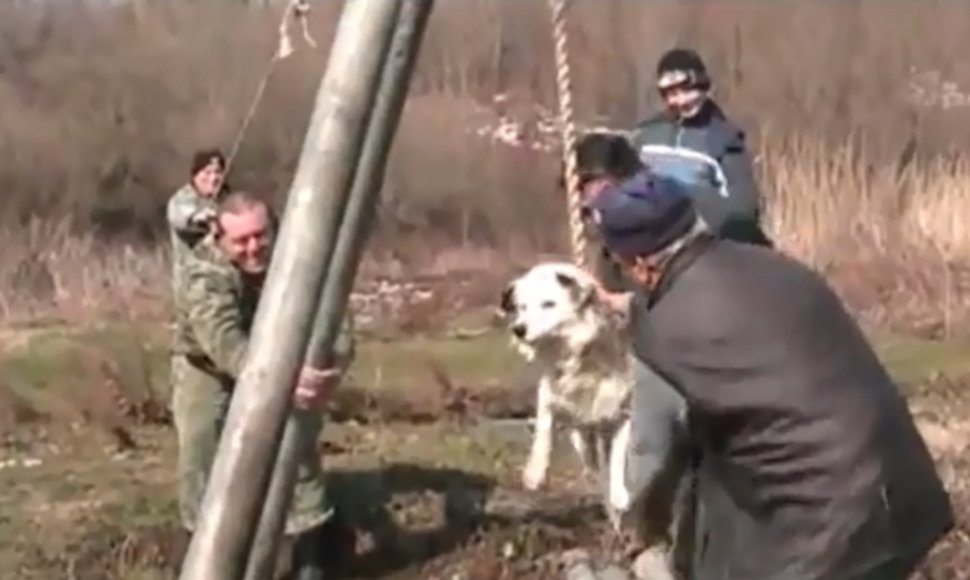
(263, 393)
(361, 203)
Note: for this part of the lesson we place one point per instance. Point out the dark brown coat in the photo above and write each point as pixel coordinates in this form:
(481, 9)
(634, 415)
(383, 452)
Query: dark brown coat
(810, 463)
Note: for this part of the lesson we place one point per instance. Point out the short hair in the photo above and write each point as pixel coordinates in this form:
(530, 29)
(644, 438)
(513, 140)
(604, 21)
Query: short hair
(604, 154)
(238, 201)
(203, 157)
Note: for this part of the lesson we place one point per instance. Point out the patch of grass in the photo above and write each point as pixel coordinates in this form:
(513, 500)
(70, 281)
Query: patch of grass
(50, 361)
(484, 360)
(46, 359)
(80, 509)
(42, 358)
(912, 360)
(54, 512)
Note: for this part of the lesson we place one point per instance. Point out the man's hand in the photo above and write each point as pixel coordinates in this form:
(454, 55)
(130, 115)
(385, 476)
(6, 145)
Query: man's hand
(315, 387)
(616, 301)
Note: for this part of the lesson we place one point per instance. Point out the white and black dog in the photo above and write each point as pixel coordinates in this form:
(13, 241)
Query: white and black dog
(557, 321)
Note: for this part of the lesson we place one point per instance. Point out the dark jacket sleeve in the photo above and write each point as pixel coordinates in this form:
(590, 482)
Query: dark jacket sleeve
(801, 427)
(695, 356)
(742, 221)
(736, 163)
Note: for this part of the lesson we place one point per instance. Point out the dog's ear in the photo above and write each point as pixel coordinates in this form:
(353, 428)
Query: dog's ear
(507, 300)
(582, 295)
(567, 281)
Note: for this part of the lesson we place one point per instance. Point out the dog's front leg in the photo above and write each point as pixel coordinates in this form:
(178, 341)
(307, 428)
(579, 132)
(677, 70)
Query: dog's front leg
(618, 496)
(585, 445)
(534, 473)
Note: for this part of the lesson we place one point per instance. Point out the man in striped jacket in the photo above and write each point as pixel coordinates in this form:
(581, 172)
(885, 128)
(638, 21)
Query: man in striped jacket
(693, 142)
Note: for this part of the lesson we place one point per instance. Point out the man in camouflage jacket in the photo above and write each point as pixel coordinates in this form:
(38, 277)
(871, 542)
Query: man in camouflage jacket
(215, 302)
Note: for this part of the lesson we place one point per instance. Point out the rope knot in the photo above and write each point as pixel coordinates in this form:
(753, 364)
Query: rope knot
(301, 8)
(296, 10)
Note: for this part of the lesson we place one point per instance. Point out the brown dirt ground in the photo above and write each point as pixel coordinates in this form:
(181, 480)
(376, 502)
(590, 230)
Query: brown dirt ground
(422, 499)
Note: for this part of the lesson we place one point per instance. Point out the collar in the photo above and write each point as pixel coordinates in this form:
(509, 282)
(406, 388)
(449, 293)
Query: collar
(678, 264)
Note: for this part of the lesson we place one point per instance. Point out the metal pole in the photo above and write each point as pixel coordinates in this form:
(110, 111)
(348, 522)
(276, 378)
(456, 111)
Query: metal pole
(361, 202)
(247, 449)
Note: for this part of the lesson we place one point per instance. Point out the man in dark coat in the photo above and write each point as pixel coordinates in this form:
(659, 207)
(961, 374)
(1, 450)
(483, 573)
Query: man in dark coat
(809, 465)
(656, 464)
(694, 142)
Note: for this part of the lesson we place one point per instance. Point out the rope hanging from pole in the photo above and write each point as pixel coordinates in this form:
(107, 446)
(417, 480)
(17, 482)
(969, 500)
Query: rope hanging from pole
(568, 128)
(295, 10)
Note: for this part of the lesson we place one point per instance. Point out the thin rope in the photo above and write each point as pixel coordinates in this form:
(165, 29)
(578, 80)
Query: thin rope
(295, 10)
(567, 125)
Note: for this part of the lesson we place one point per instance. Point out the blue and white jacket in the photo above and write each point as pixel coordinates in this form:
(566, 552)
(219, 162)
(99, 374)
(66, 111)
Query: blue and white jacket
(708, 155)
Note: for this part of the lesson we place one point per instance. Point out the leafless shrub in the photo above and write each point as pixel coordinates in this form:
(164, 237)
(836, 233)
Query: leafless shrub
(854, 109)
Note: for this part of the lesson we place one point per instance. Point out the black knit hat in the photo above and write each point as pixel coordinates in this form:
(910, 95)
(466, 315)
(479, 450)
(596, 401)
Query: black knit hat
(682, 66)
(643, 215)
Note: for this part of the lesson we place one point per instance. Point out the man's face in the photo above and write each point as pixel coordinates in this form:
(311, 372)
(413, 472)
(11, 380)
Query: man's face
(683, 100)
(590, 189)
(208, 180)
(247, 238)
(641, 269)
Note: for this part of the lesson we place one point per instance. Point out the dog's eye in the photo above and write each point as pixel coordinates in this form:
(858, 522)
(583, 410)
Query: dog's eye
(548, 304)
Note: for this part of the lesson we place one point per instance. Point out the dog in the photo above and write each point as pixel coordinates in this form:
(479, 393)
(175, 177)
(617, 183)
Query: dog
(557, 321)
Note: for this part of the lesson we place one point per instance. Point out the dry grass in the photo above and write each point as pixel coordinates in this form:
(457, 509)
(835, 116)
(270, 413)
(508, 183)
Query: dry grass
(101, 106)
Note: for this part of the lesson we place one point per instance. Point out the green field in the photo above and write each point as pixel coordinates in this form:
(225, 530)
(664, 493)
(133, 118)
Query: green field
(75, 498)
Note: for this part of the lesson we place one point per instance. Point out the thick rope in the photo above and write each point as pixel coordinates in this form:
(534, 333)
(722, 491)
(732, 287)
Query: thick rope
(296, 9)
(568, 127)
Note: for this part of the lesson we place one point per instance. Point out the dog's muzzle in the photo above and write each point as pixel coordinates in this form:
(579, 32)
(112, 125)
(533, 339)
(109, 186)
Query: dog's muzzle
(519, 330)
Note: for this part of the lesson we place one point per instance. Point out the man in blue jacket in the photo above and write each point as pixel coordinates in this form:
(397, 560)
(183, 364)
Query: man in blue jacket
(694, 142)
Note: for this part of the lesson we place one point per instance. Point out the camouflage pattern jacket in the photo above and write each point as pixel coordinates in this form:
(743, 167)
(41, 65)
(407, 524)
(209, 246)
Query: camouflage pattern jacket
(185, 229)
(215, 305)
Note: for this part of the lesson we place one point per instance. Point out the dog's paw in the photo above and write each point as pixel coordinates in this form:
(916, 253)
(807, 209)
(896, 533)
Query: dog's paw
(533, 476)
(654, 563)
(616, 518)
(618, 496)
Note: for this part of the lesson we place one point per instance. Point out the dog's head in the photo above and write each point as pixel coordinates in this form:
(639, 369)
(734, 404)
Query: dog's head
(547, 302)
